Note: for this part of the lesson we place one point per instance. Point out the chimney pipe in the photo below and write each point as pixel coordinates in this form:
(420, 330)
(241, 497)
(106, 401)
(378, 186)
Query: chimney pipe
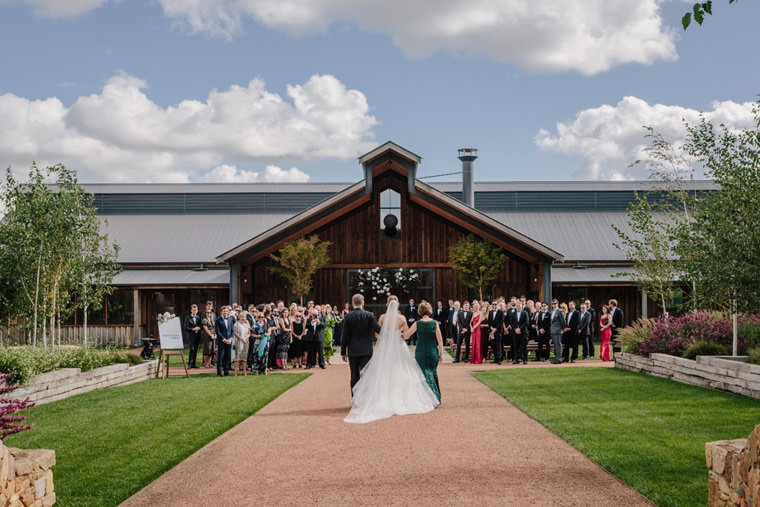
(468, 156)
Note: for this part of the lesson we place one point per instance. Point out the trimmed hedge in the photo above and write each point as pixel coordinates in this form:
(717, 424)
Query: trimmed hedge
(25, 362)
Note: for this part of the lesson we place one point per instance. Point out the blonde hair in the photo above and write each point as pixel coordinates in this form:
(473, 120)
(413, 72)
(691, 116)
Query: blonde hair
(425, 309)
(391, 298)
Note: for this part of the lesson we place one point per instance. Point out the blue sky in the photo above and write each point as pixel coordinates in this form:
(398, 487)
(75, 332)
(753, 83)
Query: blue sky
(295, 90)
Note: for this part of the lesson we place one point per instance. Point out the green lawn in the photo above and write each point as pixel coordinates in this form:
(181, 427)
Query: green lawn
(648, 431)
(111, 443)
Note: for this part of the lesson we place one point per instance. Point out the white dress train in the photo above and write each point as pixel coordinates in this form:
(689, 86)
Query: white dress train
(392, 383)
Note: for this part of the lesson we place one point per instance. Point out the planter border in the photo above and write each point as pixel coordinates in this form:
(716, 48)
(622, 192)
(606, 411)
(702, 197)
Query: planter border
(66, 382)
(725, 373)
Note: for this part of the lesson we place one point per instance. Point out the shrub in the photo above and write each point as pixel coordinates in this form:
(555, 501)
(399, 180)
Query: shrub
(702, 348)
(753, 356)
(631, 337)
(10, 424)
(673, 335)
(24, 363)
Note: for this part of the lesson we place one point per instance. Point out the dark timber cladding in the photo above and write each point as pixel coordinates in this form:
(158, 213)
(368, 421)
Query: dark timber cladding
(430, 224)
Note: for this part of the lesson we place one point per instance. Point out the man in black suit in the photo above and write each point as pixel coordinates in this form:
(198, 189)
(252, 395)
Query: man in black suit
(588, 345)
(410, 314)
(314, 339)
(617, 323)
(463, 336)
(440, 315)
(193, 329)
(542, 322)
(572, 319)
(224, 333)
(358, 330)
(519, 321)
(496, 324)
(509, 332)
(584, 328)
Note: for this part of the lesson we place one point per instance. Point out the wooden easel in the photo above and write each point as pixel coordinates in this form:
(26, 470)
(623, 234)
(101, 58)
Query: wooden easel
(163, 360)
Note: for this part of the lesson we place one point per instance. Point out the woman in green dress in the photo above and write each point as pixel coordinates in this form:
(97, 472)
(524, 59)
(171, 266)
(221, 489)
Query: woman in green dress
(429, 350)
(329, 326)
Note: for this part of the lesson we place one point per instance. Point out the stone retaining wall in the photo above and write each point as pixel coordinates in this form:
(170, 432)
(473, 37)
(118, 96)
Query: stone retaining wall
(734, 471)
(26, 479)
(707, 371)
(60, 384)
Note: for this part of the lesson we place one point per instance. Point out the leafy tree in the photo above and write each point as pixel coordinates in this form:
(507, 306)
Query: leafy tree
(650, 250)
(699, 10)
(654, 218)
(298, 261)
(719, 246)
(51, 244)
(477, 262)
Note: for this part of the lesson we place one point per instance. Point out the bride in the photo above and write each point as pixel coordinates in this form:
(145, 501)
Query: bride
(392, 382)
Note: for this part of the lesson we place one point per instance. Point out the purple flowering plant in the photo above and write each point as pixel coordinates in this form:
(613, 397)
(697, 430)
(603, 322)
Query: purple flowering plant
(10, 423)
(673, 335)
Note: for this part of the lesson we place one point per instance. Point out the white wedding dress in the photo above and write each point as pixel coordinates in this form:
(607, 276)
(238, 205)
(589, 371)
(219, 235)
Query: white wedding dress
(392, 382)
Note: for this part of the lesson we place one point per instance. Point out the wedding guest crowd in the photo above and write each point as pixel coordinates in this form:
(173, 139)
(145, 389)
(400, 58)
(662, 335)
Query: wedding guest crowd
(271, 336)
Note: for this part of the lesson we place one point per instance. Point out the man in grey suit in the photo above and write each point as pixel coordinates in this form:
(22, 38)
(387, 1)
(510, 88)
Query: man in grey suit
(584, 329)
(358, 330)
(556, 329)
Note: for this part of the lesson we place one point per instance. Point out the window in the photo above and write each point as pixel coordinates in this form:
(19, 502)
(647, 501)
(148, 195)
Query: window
(390, 213)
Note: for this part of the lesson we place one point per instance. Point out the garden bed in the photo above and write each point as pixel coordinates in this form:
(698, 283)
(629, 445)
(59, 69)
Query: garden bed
(60, 384)
(726, 373)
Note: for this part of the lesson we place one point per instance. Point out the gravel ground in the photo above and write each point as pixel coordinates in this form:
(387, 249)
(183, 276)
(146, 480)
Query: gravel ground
(475, 449)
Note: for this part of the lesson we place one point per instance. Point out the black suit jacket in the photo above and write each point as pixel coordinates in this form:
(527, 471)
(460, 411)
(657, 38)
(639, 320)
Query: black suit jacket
(464, 321)
(190, 324)
(410, 313)
(496, 321)
(441, 314)
(315, 333)
(358, 330)
(520, 320)
(617, 320)
(573, 320)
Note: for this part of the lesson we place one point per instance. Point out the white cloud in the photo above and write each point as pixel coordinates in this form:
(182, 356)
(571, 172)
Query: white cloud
(121, 135)
(610, 138)
(229, 174)
(58, 8)
(587, 36)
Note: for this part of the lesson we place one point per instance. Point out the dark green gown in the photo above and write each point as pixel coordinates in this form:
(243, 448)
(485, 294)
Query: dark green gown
(426, 354)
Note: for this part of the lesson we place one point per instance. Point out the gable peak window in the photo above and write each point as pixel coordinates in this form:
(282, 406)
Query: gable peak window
(390, 213)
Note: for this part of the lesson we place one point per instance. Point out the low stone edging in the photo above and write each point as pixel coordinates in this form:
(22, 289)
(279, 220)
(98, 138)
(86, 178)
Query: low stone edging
(715, 372)
(60, 384)
(26, 478)
(734, 471)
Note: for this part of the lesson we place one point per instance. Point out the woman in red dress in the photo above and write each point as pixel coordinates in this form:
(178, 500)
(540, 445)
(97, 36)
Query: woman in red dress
(604, 325)
(477, 349)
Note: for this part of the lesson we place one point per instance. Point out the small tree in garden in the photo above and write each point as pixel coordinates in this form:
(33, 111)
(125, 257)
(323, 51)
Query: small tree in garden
(298, 261)
(10, 423)
(477, 262)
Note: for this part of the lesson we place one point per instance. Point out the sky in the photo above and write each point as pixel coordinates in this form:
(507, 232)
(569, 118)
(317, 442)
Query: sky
(136, 91)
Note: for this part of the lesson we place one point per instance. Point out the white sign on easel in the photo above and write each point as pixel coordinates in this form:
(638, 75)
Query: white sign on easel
(170, 334)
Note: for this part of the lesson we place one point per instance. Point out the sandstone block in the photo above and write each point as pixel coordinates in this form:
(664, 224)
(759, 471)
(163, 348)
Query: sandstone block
(23, 466)
(708, 454)
(8, 468)
(27, 500)
(22, 483)
(49, 481)
(39, 487)
(49, 499)
(713, 492)
(719, 456)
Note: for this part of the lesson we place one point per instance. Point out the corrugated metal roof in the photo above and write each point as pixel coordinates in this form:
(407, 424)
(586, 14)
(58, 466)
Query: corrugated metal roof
(589, 275)
(161, 277)
(584, 236)
(183, 238)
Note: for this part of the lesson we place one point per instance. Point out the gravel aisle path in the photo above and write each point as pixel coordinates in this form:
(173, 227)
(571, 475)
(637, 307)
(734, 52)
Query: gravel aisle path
(476, 449)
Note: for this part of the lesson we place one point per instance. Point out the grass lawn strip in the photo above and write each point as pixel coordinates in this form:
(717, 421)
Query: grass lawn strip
(648, 431)
(112, 442)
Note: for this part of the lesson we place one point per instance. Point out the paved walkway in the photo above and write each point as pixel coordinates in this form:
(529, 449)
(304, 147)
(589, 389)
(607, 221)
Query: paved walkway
(475, 449)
